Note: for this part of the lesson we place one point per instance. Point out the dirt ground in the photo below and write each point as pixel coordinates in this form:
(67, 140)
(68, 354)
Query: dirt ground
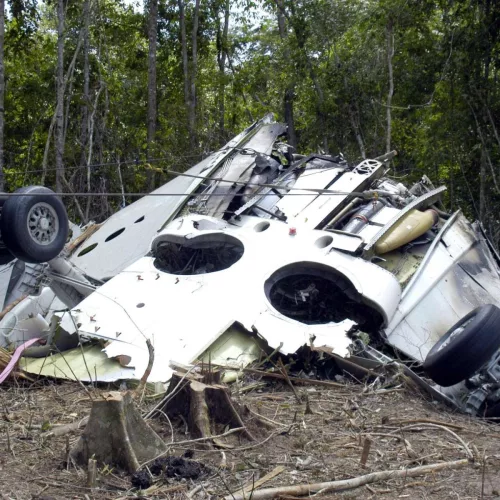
(303, 445)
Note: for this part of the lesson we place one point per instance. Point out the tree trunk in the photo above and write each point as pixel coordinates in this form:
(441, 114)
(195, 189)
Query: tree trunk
(289, 91)
(301, 37)
(482, 187)
(84, 135)
(185, 69)
(357, 132)
(194, 71)
(221, 59)
(60, 97)
(390, 55)
(207, 409)
(69, 75)
(90, 150)
(86, 82)
(116, 434)
(152, 35)
(2, 91)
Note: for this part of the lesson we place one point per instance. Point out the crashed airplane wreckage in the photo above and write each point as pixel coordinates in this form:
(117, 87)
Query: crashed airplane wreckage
(257, 249)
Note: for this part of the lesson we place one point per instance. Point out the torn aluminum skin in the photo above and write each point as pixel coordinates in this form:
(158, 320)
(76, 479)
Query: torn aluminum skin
(267, 249)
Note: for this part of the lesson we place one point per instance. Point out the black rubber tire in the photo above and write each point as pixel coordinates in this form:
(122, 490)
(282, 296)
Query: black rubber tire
(14, 225)
(451, 362)
(5, 257)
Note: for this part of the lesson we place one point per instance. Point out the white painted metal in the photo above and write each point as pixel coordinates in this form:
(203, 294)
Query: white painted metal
(184, 315)
(142, 219)
(443, 293)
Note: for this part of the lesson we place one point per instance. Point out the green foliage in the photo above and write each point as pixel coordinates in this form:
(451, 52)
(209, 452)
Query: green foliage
(331, 56)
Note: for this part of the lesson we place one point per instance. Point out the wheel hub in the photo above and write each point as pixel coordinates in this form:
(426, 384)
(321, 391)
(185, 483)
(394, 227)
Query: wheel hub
(43, 223)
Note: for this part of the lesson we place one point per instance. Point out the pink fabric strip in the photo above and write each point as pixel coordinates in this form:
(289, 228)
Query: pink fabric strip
(15, 358)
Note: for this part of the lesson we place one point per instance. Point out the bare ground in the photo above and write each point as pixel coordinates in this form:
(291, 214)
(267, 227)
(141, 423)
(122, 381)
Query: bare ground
(405, 428)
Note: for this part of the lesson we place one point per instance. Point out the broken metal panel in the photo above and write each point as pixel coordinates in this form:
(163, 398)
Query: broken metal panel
(18, 279)
(176, 311)
(103, 255)
(311, 211)
(239, 170)
(321, 210)
(441, 296)
(279, 330)
(293, 206)
(5, 274)
(15, 327)
(235, 348)
(460, 237)
(475, 264)
(133, 227)
(87, 364)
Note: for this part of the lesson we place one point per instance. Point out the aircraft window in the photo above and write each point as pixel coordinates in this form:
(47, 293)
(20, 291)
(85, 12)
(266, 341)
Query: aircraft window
(316, 294)
(201, 255)
(261, 226)
(115, 234)
(87, 250)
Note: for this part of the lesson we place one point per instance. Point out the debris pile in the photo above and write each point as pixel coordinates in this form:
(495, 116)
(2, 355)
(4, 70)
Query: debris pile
(370, 438)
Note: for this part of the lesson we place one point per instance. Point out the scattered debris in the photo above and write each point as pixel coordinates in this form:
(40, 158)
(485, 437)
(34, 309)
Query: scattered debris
(347, 484)
(324, 445)
(275, 271)
(334, 256)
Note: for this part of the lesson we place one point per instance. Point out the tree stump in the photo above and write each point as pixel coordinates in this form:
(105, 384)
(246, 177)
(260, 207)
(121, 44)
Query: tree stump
(117, 435)
(207, 409)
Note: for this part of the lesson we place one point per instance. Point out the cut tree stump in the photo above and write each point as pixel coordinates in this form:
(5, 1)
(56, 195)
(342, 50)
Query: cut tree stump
(117, 435)
(207, 409)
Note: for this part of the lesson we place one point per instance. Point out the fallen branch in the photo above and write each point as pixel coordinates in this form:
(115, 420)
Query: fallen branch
(282, 369)
(264, 420)
(253, 485)
(296, 380)
(425, 421)
(11, 306)
(65, 429)
(71, 247)
(347, 484)
(147, 372)
(469, 454)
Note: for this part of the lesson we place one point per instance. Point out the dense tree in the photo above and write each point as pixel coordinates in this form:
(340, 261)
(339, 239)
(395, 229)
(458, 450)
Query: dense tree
(99, 95)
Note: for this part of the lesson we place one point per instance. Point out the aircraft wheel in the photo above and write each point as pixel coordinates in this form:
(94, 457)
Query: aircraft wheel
(465, 347)
(34, 226)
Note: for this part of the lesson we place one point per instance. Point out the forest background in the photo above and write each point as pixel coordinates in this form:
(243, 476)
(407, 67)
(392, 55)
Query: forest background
(102, 95)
